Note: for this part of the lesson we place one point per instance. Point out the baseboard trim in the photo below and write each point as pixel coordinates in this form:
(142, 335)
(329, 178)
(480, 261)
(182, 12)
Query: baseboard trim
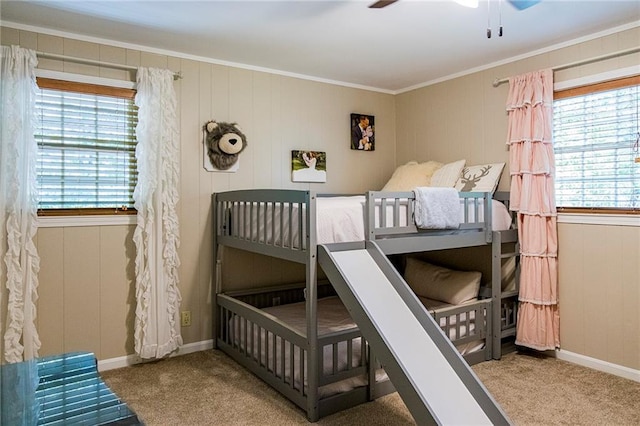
(129, 360)
(597, 364)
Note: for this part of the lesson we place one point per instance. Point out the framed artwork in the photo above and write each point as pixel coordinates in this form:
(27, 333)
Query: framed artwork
(363, 130)
(308, 166)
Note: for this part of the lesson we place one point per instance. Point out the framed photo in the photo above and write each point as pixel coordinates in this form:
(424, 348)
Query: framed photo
(363, 131)
(308, 166)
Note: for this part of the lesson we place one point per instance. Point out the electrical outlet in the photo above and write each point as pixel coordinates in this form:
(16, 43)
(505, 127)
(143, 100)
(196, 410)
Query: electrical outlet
(185, 319)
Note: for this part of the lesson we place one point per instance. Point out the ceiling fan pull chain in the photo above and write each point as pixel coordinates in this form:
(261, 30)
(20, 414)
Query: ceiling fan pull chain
(489, 19)
(636, 145)
(500, 17)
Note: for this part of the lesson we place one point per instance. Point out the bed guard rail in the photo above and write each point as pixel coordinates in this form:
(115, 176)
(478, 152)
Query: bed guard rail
(392, 213)
(277, 352)
(465, 323)
(266, 221)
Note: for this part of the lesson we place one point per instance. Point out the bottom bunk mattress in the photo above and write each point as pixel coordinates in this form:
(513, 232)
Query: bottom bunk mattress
(340, 357)
(458, 322)
(463, 324)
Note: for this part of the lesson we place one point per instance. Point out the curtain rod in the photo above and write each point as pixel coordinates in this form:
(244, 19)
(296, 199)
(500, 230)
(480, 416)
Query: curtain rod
(497, 82)
(176, 76)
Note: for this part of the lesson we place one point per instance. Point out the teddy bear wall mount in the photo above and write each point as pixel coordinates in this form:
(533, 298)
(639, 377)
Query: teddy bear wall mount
(223, 143)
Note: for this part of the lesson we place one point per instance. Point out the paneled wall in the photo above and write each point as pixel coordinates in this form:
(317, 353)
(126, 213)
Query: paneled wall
(86, 281)
(87, 273)
(600, 292)
(599, 265)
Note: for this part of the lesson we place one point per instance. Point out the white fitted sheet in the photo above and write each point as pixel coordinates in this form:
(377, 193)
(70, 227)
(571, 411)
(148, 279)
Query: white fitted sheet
(338, 219)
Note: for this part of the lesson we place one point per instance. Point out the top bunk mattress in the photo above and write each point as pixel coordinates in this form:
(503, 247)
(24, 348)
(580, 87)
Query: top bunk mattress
(338, 219)
(341, 219)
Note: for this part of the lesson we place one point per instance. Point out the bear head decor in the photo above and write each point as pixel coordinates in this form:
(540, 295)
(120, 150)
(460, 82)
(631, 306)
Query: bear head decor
(224, 143)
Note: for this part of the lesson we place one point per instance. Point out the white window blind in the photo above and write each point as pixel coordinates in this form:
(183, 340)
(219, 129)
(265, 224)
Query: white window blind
(595, 143)
(86, 148)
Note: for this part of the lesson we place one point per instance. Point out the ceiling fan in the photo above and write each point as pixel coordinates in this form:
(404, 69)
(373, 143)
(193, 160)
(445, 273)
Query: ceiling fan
(518, 4)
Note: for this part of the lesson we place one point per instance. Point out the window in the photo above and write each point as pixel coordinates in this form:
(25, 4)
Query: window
(86, 148)
(595, 130)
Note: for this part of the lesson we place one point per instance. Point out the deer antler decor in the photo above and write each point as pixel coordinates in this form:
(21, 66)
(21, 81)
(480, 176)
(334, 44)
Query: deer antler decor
(471, 180)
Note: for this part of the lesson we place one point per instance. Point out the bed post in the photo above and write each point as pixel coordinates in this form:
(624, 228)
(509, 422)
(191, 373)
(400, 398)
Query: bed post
(496, 292)
(488, 215)
(370, 219)
(216, 279)
(313, 351)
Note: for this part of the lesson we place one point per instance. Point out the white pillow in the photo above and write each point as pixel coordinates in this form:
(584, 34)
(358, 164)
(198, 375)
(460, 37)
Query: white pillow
(447, 175)
(438, 283)
(412, 175)
(482, 178)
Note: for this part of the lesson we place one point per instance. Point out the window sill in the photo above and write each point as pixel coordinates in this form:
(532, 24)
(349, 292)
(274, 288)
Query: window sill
(599, 219)
(85, 220)
(115, 220)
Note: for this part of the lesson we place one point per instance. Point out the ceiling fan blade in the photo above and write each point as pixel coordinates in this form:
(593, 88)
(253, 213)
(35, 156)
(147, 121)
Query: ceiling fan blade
(523, 4)
(381, 3)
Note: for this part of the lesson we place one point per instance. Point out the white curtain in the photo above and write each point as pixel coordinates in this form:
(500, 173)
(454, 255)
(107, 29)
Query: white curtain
(157, 235)
(19, 263)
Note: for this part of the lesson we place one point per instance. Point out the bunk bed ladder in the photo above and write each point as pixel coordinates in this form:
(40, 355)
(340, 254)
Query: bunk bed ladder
(434, 381)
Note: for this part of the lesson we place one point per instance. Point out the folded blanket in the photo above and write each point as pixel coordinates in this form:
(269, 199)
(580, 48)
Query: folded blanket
(437, 208)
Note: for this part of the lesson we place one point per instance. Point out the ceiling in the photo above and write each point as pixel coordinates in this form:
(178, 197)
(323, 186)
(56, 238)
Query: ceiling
(404, 45)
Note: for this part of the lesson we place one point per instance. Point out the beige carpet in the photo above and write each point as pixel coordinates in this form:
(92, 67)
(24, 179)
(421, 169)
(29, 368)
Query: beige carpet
(210, 388)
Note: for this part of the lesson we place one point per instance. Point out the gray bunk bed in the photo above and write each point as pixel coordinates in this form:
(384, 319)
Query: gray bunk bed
(297, 337)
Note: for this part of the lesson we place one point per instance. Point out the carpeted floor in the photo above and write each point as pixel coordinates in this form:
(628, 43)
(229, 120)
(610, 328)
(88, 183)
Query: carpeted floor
(210, 388)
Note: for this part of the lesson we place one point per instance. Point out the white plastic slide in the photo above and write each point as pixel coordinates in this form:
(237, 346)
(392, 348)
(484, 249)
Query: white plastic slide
(434, 381)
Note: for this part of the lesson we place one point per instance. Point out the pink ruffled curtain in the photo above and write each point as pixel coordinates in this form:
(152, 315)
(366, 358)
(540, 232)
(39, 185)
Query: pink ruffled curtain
(532, 167)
